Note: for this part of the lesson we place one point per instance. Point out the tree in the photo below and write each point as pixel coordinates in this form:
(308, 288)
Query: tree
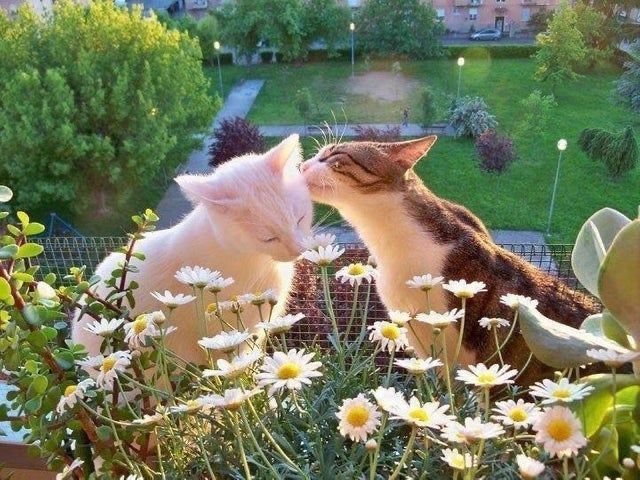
(429, 107)
(304, 103)
(600, 33)
(326, 21)
(406, 27)
(95, 101)
(618, 151)
(208, 32)
(562, 48)
(235, 137)
(534, 117)
(540, 19)
(628, 85)
(284, 27)
(242, 23)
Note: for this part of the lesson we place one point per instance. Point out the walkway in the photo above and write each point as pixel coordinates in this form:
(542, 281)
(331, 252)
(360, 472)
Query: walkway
(174, 205)
(410, 130)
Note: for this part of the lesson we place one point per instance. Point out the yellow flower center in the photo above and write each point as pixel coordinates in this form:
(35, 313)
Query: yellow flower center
(211, 308)
(562, 393)
(140, 324)
(356, 269)
(357, 415)
(419, 414)
(70, 390)
(108, 364)
(390, 331)
(288, 370)
(487, 378)
(518, 415)
(457, 462)
(560, 430)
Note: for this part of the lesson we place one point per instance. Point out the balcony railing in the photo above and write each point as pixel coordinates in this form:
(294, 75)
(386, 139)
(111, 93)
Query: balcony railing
(540, 3)
(468, 3)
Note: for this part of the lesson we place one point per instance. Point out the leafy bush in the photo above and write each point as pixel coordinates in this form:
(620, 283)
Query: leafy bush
(470, 117)
(95, 100)
(495, 152)
(235, 137)
(304, 103)
(390, 133)
(535, 113)
(540, 20)
(628, 85)
(618, 151)
(491, 51)
(429, 107)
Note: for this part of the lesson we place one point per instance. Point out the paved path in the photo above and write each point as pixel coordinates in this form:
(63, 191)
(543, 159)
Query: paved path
(410, 130)
(174, 205)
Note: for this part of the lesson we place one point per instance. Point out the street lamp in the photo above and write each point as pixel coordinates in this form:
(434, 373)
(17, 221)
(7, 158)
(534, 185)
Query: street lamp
(216, 46)
(460, 65)
(352, 27)
(562, 146)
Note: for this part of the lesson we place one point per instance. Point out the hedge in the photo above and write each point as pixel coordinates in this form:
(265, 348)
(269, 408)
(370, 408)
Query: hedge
(491, 51)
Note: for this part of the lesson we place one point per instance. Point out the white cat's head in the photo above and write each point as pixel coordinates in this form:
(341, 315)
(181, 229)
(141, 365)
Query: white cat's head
(259, 202)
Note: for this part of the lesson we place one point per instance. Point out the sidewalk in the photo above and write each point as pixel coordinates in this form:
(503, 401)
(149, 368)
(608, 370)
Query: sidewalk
(348, 130)
(173, 205)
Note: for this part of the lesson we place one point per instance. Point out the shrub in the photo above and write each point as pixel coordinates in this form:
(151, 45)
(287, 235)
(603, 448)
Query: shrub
(470, 117)
(534, 118)
(628, 86)
(391, 133)
(495, 152)
(235, 137)
(618, 151)
(304, 102)
(492, 51)
(429, 107)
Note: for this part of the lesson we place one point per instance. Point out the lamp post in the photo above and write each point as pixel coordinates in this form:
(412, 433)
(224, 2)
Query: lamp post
(216, 46)
(460, 65)
(562, 146)
(352, 27)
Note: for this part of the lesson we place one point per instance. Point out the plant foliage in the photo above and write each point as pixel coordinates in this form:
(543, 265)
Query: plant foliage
(235, 137)
(618, 151)
(495, 152)
(429, 105)
(628, 85)
(470, 117)
(391, 133)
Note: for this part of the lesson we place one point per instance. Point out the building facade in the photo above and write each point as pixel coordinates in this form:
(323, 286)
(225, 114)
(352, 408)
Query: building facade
(41, 7)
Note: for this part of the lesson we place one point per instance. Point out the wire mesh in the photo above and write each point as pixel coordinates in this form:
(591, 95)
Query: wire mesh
(62, 253)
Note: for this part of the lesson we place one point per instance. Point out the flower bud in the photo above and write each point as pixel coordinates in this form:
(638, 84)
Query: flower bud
(372, 261)
(410, 351)
(371, 445)
(158, 317)
(628, 463)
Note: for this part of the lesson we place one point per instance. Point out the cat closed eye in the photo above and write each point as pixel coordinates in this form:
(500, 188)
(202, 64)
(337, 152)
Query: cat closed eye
(271, 240)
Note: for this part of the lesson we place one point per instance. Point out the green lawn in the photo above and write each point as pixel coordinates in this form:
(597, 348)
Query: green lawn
(519, 198)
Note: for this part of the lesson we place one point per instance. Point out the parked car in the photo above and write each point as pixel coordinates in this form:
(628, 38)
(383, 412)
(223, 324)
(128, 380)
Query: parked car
(486, 34)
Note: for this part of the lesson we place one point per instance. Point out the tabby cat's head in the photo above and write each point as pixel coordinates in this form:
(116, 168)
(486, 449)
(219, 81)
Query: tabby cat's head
(341, 174)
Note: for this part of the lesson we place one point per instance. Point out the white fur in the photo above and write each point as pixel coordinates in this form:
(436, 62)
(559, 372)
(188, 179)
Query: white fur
(401, 247)
(243, 203)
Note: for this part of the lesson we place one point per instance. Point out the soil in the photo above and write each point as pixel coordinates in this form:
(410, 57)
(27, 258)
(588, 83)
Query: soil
(385, 86)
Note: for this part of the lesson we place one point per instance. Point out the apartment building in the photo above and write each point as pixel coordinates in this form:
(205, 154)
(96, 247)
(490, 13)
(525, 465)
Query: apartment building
(39, 6)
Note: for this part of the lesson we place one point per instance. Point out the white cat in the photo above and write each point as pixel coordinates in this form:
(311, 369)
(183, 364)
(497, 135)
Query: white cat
(250, 217)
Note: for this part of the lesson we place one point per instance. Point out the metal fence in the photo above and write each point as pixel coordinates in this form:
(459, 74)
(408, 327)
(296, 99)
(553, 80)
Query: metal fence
(62, 253)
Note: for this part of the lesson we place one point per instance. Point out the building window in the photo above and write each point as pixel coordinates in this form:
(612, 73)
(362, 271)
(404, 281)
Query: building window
(440, 13)
(475, 2)
(473, 14)
(500, 1)
(526, 14)
(457, 10)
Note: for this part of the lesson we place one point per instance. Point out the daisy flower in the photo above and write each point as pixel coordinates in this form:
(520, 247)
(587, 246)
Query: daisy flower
(426, 415)
(424, 282)
(611, 358)
(236, 367)
(387, 398)
(356, 273)
(260, 298)
(490, 323)
(67, 471)
(514, 301)
(481, 376)
(148, 420)
(440, 320)
(106, 368)
(198, 277)
(172, 301)
(529, 468)
(562, 391)
(281, 324)
(472, 430)
(518, 414)
(72, 394)
(391, 336)
(457, 460)
(399, 318)
(358, 417)
(190, 406)
(157, 318)
(462, 289)
(323, 256)
(288, 370)
(318, 240)
(234, 304)
(217, 284)
(559, 432)
(138, 331)
(231, 399)
(225, 341)
(104, 327)
(418, 366)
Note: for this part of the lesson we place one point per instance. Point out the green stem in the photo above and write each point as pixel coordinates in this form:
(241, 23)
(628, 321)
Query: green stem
(376, 454)
(332, 316)
(118, 443)
(461, 335)
(447, 372)
(495, 337)
(387, 379)
(405, 456)
(353, 311)
(249, 428)
(487, 404)
(206, 457)
(508, 337)
(243, 456)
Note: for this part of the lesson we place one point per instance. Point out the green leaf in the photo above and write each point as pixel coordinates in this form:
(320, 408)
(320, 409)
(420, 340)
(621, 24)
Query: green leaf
(8, 251)
(5, 194)
(31, 366)
(37, 339)
(104, 433)
(22, 276)
(29, 250)
(39, 384)
(33, 405)
(33, 229)
(5, 289)
(31, 315)
(65, 359)
(23, 217)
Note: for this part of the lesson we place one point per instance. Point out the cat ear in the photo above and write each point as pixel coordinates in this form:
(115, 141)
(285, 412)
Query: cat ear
(408, 153)
(286, 153)
(202, 189)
